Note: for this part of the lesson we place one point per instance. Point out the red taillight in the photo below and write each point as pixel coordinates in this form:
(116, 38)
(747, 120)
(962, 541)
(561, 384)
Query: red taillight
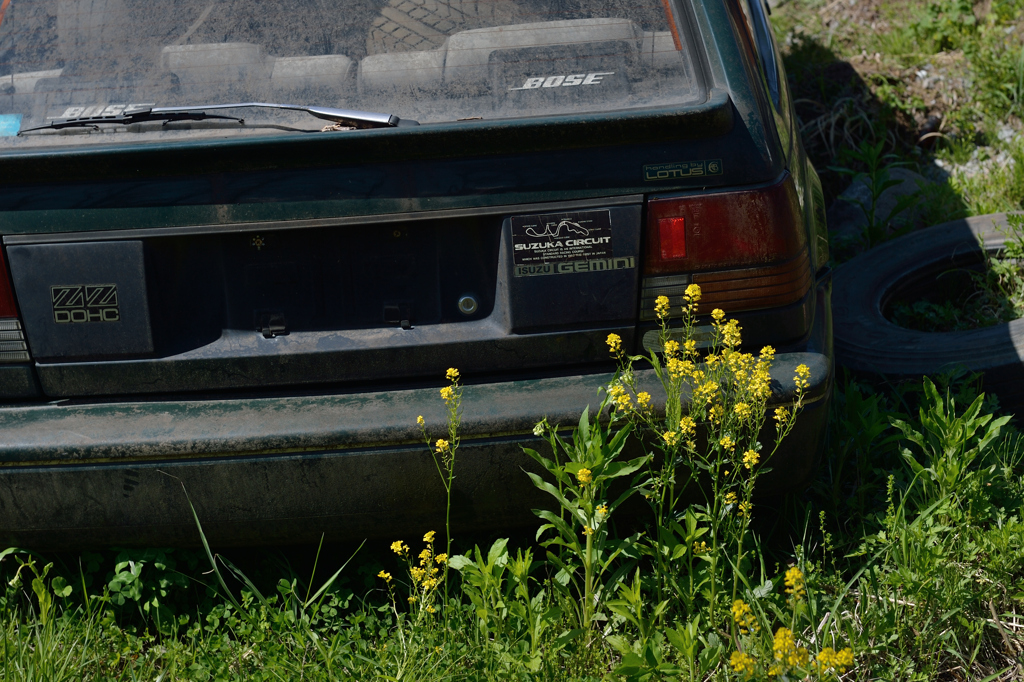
(7, 306)
(747, 249)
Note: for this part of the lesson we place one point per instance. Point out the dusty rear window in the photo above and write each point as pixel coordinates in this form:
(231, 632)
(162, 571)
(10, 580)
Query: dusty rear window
(427, 60)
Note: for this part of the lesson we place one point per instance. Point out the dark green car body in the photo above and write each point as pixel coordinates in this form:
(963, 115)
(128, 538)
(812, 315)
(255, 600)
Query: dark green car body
(260, 318)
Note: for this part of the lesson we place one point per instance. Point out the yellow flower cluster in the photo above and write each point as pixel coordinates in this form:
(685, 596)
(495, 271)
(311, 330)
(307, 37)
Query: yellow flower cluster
(742, 663)
(441, 558)
(701, 547)
(643, 400)
(727, 443)
(716, 413)
(706, 392)
(692, 293)
(452, 374)
(442, 446)
(587, 530)
(584, 476)
(678, 369)
(399, 547)
(730, 498)
(661, 307)
(671, 438)
(787, 652)
(602, 510)
(718, 314)
(744, 617)
(420, 421)
(802, 377)
(429, 536)
(620, 396)
(448, 393)
(687, 426)
(691, 347)
(795, 583)
(614, 342)
(836, 660)
(742, 410)
(671, 348)
(745, 508)
(781, 415)
(731, 334)
(751, 458)
(385, 576)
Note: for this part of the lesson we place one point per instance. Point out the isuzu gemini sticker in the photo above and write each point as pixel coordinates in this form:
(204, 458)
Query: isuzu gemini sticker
(564, 243)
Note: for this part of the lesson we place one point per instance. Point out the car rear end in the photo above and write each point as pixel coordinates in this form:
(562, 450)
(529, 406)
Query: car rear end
(258, 312)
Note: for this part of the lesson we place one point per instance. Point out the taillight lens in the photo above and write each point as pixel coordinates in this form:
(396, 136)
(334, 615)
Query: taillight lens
(12, 336)
(746, 249)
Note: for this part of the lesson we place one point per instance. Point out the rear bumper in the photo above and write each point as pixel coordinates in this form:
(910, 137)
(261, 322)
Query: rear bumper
(286, 469)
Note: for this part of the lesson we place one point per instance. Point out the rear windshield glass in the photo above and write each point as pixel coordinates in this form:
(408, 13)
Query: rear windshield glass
(425, 60)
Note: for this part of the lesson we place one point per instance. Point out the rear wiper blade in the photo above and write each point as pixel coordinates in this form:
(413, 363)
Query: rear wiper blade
(356, 119)
(128, 118)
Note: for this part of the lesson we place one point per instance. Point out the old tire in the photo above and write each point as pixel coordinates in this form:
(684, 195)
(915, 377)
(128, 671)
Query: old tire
(406, 25)
(866, 341)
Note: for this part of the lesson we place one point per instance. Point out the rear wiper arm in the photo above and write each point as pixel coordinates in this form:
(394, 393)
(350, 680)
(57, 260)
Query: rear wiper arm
(356, 119)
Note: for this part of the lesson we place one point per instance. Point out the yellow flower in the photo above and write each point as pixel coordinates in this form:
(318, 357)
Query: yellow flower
(727, 443)
(730, 498)
(643, 400)
(417, 574)
(584, 476)
(441, 445)
(786, 651)
(701, 547)
(399, 547)
(661, 307)
(718, 314)
(671, 438)
(614, 342)
(690, 346)
(744, 617)
(742, 663)
(385, 575)
(441, 558)
(452, 374)
(745, 508)
(412, 600)
(835, 660)
(448, 393)
(420, 421)
(741, 410)
(430, 609)
(671, 347)
(620, 396)
(795, 583)
(424, 557)
(715, 413)
(767, 354)
(429, 537)
(751, 458)
(693, 293)
(687, 426)
(602, 510)
(731, 334)
(802, 378)
(587, 530)
(781, 415)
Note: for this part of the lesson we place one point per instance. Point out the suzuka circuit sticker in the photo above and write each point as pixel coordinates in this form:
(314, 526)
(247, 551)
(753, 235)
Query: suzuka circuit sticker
(564, 243)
